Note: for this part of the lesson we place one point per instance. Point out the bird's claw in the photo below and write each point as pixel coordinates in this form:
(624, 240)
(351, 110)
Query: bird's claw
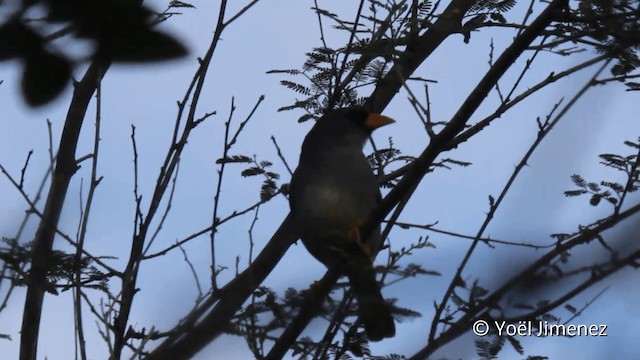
(354, 233)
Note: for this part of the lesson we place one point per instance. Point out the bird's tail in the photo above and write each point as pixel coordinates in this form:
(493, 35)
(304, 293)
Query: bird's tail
(373, 311)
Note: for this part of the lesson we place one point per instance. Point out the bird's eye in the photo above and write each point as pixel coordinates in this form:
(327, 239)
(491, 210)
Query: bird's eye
(358, 116)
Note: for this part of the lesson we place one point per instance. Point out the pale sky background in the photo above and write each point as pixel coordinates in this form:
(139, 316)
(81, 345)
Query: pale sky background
(275, 34)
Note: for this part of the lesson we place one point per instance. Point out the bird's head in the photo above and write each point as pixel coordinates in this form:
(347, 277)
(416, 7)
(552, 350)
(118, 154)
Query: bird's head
(344, 127)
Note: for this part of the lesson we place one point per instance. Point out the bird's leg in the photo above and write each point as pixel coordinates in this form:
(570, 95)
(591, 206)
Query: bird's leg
(354, 233)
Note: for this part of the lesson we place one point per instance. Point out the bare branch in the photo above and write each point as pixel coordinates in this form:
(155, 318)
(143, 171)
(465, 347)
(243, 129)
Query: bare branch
(65, 168)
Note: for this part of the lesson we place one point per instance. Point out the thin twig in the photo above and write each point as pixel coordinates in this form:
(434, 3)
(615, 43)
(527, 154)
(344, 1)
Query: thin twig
(284, 161)
(167, 209)
(193, 271)
(94, 181)
(320, 27)
(430, 227)
(24, 168)
(216, 198)
(198, 233)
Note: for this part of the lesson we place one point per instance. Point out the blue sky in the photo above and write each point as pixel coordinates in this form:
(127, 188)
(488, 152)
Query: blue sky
(275, 35)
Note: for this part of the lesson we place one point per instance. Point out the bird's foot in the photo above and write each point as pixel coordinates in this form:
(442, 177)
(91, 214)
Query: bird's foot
(354, 233)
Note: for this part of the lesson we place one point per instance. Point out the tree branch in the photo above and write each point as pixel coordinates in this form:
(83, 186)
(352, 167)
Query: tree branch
(66, 167)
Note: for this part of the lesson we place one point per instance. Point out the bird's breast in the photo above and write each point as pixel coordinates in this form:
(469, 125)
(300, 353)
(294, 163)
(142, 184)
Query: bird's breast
(337, 202)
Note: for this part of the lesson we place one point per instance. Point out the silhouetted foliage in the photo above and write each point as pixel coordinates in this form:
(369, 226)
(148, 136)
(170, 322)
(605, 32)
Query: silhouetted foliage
(122, 31)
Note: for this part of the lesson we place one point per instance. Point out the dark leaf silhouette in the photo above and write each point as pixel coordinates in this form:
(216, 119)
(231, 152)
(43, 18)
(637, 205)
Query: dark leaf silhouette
(44, 77)
(121, 30)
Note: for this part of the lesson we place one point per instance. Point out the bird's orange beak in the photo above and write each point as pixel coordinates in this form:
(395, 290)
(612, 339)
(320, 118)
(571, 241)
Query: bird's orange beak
(375, 121)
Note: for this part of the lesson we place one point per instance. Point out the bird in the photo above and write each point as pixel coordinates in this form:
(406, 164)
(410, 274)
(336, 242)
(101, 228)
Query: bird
(333, 191)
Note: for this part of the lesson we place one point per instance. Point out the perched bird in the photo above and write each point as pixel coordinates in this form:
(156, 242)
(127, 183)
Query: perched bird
(333, 192)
